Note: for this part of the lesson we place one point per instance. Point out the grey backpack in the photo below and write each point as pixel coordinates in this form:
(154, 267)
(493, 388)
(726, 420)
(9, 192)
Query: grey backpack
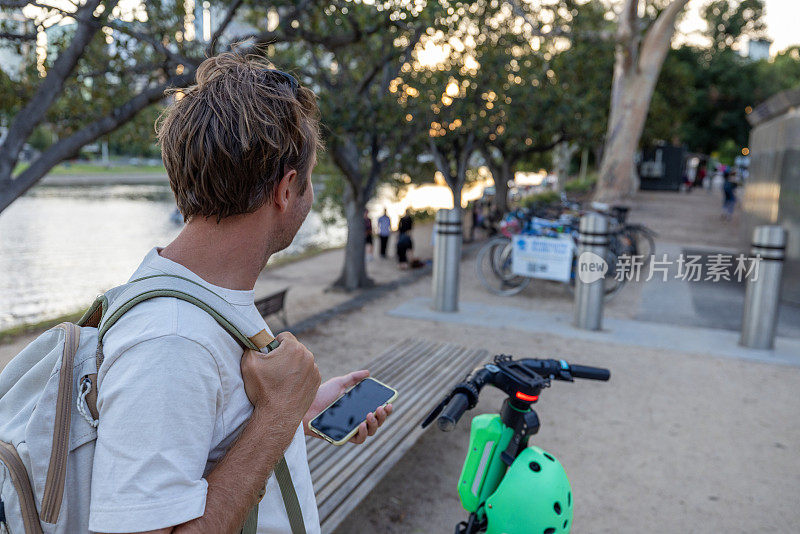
(48, 412)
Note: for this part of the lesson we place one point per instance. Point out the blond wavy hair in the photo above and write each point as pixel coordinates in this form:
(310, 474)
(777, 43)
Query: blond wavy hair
(226, 139)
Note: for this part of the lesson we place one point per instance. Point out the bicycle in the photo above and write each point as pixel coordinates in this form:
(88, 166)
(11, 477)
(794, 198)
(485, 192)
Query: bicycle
(494, 262)
(505, 485)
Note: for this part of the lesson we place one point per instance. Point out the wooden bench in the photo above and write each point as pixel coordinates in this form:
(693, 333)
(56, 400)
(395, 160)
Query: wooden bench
(272, 304)
(422, 372)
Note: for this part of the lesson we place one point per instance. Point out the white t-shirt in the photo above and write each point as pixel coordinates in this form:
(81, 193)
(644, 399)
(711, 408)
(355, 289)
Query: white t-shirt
(171, 401)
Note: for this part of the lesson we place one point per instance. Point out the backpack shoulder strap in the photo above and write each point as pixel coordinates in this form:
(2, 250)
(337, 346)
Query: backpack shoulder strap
(117, 301)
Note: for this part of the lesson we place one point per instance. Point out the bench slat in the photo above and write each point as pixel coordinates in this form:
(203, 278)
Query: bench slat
(343, 493)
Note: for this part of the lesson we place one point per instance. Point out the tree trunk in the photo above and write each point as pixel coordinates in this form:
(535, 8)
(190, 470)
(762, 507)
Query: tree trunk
(501, 186)
(357, 192)
(354, 270)
(502, 173)
(636, 71)
(564, 153)
(584, 164)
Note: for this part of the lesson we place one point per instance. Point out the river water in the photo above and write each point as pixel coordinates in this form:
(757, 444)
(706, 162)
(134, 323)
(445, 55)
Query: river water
(61, 246)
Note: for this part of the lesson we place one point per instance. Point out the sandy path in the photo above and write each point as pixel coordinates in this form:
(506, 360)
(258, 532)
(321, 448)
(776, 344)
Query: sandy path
(675, 442)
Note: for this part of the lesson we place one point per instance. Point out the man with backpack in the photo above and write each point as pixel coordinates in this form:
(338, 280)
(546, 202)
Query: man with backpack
(188, 428)
(239, 148)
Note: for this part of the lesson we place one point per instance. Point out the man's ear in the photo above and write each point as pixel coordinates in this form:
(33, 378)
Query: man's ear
(285, 189)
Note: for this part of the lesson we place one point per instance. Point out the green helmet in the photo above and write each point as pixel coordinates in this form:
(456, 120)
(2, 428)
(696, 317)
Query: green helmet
(533, 498)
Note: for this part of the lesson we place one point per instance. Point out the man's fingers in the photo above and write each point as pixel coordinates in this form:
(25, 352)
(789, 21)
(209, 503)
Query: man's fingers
(355, 377)
(372, 424)
(380, 415)
(285, 336)
(361, 435)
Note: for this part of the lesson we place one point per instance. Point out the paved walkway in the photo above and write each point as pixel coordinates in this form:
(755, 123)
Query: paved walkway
(709, 341)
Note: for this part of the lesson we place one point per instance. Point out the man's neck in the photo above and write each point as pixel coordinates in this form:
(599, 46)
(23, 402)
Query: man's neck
(228, 254)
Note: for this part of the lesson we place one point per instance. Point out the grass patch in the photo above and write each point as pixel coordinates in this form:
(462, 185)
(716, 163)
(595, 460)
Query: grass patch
(89, 168)
(9, 334)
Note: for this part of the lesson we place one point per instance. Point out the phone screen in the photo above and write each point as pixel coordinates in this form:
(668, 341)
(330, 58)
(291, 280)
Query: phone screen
(340, 418)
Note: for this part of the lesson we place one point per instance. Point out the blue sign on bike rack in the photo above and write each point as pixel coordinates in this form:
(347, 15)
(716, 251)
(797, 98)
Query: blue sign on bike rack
(543, 257)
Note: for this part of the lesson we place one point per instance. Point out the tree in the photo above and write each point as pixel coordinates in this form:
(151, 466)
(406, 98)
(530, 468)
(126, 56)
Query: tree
(523, 105)
(141, 53)
(366, 129)
(727, 20)
(443, 99)
(638, 60)
(673, 98)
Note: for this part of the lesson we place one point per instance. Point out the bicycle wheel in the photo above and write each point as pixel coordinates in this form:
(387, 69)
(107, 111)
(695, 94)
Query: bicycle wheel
(493, 267)
(611, 285)
(645, 245)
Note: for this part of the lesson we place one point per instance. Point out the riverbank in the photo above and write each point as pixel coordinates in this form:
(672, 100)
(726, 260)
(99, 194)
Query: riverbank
(309, 276)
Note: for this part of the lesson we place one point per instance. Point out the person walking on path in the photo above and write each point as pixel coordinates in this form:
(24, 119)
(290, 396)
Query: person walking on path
(190, 427)
(384, 231)
(368, 236)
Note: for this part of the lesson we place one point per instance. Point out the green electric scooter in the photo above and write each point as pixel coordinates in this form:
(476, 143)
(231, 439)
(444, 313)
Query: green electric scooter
(507, 486)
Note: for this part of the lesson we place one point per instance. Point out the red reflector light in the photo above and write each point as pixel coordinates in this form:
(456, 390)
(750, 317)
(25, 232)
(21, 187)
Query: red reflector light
(523, 396)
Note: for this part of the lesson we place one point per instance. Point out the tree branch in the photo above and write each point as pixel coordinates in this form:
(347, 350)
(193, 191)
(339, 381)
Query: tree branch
(49, 89)
(659, 36)
(212, 44)
(18, 36)
(69, 146)
(157, 45)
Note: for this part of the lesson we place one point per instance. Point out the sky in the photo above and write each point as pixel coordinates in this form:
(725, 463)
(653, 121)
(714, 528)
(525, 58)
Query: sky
(781, 16)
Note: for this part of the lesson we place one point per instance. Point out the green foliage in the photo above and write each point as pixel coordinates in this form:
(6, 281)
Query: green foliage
(727, 20)
(423, 215)
(137, 137)
(581, 186)
(704, 94)
(544, 198)
(728, 150)
(673, 98)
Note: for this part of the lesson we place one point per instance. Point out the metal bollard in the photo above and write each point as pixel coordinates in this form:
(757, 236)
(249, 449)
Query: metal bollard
(760, 316)
(591, 265)
(446, 260)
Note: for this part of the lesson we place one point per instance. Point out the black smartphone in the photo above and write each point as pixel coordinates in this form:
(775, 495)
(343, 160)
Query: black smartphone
(339, 422)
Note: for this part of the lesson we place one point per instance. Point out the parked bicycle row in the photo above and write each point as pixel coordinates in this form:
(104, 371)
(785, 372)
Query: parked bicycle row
(541, 241)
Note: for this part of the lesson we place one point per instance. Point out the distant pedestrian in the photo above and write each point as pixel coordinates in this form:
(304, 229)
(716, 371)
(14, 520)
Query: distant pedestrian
(368, 234)
(477, 220)
(729, 196)
(404, 247)
(384, 231)
(701, 176)
(406, 223)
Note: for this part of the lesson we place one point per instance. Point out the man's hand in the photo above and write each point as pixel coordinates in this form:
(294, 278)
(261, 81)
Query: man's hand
(282, 383)
(332, 390)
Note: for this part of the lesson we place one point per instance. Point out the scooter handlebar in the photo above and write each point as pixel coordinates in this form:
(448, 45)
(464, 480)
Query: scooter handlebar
(453, 411)
(590, 373)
